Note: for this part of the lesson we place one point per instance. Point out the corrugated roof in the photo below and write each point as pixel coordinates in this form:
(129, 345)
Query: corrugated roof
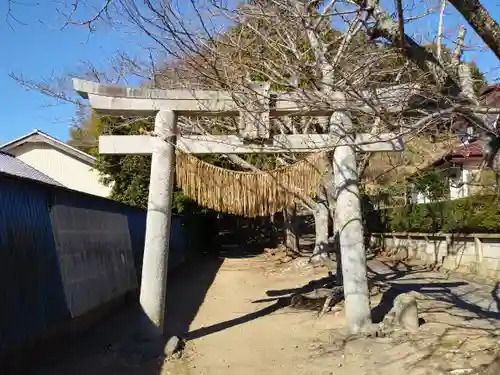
(15, 167)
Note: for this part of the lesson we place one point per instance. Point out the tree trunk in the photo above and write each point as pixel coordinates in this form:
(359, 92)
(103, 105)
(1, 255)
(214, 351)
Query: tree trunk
(322, 211)
(329, 183)
(481, 21)
(466, 82)
(321, 217)
(272, 231)
(350, 228)
(339, 278)
(497, 185)
(291, 237)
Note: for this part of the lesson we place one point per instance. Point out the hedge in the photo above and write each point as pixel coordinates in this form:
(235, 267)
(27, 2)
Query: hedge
(476, 214)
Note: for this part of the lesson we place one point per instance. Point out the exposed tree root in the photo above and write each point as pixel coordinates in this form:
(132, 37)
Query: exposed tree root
(322, 299)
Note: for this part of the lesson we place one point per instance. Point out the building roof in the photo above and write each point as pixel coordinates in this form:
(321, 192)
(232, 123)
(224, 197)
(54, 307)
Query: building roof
(474, 149)
(13, 166)
(39, 136)
(459, 154)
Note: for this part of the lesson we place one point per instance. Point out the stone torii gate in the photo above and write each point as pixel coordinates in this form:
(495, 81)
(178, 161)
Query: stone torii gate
(254, 109)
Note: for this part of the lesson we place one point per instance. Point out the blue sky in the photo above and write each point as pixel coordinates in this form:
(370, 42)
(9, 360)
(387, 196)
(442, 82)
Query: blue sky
(39, 50)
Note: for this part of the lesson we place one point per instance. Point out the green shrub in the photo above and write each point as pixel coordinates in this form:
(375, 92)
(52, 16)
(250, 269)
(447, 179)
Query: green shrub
(476, 214)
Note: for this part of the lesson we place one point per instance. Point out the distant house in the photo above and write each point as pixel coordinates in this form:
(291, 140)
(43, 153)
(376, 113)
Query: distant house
(458, 168)
(59, 161)
(10, 165)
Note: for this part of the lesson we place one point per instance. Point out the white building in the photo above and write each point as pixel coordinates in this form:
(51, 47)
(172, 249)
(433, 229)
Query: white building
(457, 168)
(63, 163)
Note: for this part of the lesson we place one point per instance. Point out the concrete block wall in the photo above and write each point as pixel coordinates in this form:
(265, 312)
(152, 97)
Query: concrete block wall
(95, 256)
(475, 253)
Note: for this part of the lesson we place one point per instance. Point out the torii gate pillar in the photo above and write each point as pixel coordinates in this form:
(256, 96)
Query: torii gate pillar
(156, 248)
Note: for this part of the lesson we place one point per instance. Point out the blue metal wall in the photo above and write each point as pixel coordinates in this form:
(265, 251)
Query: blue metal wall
(33, 285)
(31, 292)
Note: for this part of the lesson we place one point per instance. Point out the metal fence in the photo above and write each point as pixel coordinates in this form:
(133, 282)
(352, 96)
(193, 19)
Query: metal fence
(63, 253)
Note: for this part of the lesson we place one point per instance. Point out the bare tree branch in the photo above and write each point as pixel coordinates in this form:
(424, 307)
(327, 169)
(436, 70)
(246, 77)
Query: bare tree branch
(440, 35)
(387, 28)
(89, 22)
(481, 21)
(457, 53)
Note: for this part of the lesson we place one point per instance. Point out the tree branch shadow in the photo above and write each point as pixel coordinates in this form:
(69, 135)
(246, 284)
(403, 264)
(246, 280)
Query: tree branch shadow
(279, 304)
(495, 295)
(388, 297)
(281, 297)
(324, 282)
(440, 291)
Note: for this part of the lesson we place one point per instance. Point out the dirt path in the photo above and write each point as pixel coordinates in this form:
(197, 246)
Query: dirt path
(232, 334)
(215, 306)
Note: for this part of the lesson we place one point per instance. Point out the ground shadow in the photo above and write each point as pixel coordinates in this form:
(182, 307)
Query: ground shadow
(281, 298)
(108, 348)
(438, 290)
(395, 271)
(186, 293)
(495, 295)
(435, 289)
(324, 282)
(280, 303)
(117, 344)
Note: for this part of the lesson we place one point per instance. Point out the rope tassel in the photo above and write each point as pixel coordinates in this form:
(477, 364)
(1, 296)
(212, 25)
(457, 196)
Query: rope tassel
(247, 193)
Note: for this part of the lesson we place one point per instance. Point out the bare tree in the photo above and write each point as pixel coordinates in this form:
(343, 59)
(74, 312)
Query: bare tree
(292, 45)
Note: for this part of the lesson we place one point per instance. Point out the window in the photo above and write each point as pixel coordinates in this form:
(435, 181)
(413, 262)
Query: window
(467, 136)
